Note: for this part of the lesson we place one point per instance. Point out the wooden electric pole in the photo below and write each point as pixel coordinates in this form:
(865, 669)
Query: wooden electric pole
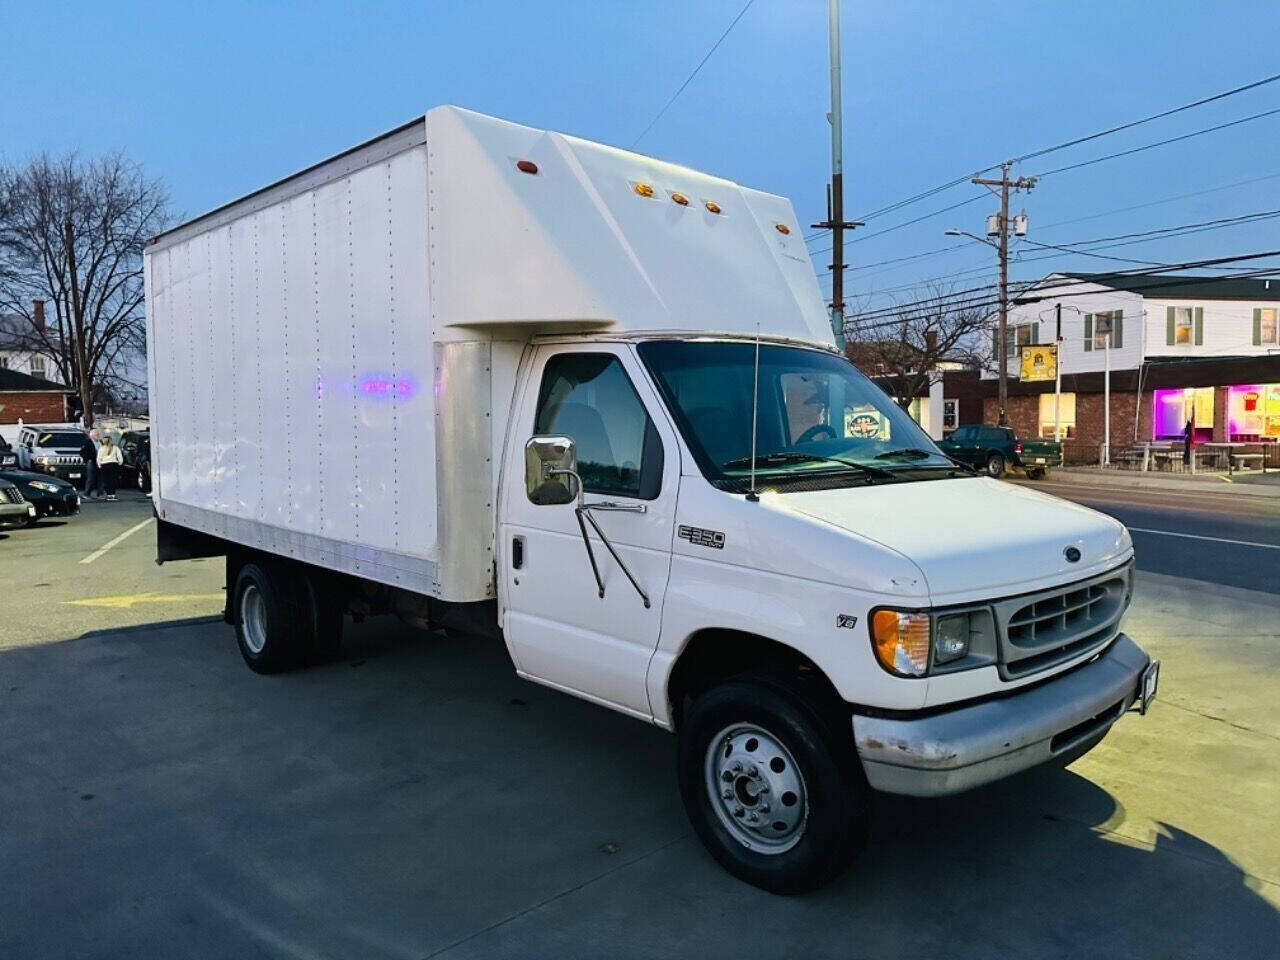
(1005, 185)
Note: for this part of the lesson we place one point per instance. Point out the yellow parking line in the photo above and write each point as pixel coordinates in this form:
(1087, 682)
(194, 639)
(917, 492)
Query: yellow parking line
(128, 601)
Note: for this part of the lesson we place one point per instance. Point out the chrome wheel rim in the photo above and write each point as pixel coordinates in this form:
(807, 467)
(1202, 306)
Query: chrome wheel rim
(756, 789)
(253, 618)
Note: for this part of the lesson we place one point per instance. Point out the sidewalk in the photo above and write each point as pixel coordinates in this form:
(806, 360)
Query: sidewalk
(1248, 484)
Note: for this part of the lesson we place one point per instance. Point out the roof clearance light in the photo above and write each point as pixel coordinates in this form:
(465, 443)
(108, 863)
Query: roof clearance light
(526, 166)
(644, 190)
(681, 199)
(712, 206)
(782, 228)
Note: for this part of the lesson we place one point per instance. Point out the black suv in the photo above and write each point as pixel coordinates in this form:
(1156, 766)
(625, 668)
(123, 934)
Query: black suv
(135, 447)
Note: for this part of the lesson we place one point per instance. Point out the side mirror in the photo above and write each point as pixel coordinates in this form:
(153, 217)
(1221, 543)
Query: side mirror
(550, 463)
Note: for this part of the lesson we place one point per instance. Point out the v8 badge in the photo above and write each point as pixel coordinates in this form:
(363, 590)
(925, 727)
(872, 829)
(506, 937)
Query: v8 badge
(846, 621)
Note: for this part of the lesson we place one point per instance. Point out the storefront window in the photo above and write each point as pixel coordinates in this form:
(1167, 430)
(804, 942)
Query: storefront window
(1066, 415)
(1253, 411)
(1174, 407)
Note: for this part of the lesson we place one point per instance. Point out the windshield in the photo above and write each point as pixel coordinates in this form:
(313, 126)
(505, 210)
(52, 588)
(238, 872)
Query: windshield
(817, 415)
(60, 440)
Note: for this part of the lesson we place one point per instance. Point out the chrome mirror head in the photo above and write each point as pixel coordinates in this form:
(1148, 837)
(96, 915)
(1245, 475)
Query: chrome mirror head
(551, 470)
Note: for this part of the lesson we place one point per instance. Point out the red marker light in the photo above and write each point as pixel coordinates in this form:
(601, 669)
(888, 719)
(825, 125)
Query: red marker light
(782, 228)
(526, 166)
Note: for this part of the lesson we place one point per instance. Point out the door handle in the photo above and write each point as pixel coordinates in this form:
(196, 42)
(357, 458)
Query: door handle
(517, 553)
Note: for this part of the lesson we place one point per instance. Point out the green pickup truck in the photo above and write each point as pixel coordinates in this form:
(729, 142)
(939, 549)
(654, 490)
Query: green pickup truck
(995, 449)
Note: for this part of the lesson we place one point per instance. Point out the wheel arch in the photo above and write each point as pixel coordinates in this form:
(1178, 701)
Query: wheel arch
(714, 654)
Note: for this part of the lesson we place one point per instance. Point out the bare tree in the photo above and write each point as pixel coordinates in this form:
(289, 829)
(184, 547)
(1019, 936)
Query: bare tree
(909, 341)
(71, 234)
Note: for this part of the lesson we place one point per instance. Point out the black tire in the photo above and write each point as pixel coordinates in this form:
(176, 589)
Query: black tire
(995, 465)
(834, 787)
(273, 619)
(144, 481)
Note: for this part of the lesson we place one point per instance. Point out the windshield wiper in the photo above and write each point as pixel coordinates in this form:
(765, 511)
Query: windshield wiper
(915, 453)
(787, 457)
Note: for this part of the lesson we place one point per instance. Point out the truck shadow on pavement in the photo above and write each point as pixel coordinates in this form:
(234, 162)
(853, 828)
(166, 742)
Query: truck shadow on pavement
(415, 798)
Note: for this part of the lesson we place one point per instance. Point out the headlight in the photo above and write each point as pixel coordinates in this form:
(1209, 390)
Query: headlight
(951, 640)
(46, 487)
(901, 641)
(42, 460)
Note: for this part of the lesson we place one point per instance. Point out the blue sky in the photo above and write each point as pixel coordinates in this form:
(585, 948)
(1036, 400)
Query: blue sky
(219, 98)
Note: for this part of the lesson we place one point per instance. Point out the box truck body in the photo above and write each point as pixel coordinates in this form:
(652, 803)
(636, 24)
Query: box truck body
(513, 382)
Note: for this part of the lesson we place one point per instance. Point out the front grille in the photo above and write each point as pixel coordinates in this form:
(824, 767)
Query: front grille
(1051, 626)
(64, 461)
(12, 495)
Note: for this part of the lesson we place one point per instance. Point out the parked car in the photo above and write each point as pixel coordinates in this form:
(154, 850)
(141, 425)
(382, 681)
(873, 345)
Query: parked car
(135, 445)
(50, 496)
(52, 450)
(995, 449)
(8, 456)
(14, 509)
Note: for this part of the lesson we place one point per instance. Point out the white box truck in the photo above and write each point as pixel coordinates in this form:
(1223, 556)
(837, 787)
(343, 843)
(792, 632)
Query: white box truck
(506, 381)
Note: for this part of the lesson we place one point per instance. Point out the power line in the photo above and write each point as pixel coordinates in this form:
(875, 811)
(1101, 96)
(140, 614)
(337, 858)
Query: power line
(1155, 116)
(925, 194)
(907, 223)
(972, 298)
(1159, 143)
(689, 79)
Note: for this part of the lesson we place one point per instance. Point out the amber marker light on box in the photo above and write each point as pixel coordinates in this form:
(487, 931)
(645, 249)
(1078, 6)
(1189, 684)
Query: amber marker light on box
(680, 198)
(712, 206)
(643, 189)
(782, 228)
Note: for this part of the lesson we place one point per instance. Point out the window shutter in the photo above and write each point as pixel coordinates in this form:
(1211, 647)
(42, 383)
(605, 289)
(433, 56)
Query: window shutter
(1199, 326)
(1088, 331)
(1035, 333)
(1117, 330)
(1257, 326)
(1168, 326)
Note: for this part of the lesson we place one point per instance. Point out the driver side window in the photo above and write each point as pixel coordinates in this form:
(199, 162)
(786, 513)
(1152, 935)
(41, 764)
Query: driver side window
(589, 398)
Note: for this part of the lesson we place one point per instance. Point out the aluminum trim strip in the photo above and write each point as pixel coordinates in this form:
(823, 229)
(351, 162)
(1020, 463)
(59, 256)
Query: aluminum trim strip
(415, 574)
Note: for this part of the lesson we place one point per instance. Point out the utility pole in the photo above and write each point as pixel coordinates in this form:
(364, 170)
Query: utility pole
(1057, 373)
(1005, 185)
(835, 221)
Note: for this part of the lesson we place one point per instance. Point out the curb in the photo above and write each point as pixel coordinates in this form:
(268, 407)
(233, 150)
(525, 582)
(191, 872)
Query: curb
(1207, 485)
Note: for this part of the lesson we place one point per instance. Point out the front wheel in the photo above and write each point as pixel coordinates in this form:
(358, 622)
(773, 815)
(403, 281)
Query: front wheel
(771, 787)
(144, 480)
(995, 465)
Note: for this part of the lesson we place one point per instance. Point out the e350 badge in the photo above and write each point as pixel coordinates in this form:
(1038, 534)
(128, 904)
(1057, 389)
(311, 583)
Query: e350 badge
(700, 537)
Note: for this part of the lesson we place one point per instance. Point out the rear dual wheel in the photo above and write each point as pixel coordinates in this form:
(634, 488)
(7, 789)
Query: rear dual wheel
(772, 788)
(282, 618)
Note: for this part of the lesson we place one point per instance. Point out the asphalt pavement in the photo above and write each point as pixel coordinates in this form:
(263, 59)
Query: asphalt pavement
(1216, 537)
(415, 799)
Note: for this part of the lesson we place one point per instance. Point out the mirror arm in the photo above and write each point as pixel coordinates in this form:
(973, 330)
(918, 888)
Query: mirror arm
(591, 555)
(585, 511)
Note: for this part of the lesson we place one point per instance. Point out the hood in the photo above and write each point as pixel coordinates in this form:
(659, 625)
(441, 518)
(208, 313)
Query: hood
(974, 537)
(19, 477)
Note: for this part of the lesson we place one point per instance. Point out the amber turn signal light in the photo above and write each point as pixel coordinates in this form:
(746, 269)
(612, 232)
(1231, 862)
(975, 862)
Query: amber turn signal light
(901, 642)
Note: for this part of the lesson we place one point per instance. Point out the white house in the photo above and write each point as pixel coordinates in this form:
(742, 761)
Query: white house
(1180, 347)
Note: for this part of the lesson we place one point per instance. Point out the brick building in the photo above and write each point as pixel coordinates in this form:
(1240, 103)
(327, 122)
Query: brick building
(30, 399)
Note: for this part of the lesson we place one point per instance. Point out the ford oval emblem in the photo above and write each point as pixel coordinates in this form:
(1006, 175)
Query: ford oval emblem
(1072, 554)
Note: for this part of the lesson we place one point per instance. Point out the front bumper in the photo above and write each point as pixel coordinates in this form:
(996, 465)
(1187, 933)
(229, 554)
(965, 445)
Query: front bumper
(971, 745)
(57, 505)
(15, 514)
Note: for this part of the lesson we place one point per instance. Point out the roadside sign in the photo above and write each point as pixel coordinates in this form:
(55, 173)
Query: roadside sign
(1039, 362)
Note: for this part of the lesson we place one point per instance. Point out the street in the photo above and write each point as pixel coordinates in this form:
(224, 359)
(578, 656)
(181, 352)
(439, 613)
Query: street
(1224, 538)
(416, 799)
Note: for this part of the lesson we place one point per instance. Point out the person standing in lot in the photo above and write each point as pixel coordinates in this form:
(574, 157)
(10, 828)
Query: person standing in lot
(109, 460)
(1188, 437)
(92, 475)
